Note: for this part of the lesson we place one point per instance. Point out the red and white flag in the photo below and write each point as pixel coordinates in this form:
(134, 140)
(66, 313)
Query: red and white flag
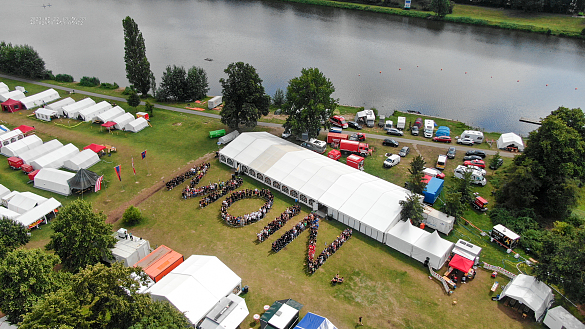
(98, 184)
(133, 169)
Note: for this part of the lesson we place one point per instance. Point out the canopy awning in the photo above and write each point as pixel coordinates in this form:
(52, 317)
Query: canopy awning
(461, 263)
(25, 129)
(108, 124)
(95, 147)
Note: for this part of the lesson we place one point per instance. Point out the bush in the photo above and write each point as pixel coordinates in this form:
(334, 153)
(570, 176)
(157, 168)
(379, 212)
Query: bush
(134, 100)
(132, 216)
(89, 82)
(63, 78)
(129, 91)
(107, 85)
(48, 75)
(583, 32)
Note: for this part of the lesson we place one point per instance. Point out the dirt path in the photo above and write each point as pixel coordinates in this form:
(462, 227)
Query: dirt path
(116, 214)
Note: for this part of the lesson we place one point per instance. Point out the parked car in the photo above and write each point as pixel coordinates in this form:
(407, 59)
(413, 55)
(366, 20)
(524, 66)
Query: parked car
(441, 162)
(391, 161)
(338, 120)
(478, 163)
(337, 130)
(471, 157)
(481, 170)
(315, 145)
(476, 177)
(404, 151)
(476, 152)
(428, 133)
(390, 142)
(286, 134)
(414, 130)
(451, 152)
(465, 141)
(360, 137)
(433, 172)
(354, 125)
(442, 139)
(395, 131)
(497, 165)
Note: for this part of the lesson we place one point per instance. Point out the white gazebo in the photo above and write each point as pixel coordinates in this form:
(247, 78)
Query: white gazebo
(536, 295)
(510, 140)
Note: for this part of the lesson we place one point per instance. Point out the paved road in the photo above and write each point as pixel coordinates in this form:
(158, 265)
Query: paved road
(264, 124)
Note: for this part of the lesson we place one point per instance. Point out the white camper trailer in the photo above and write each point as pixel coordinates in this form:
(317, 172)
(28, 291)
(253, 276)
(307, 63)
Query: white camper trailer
(214, 102)
(476, 136)
(401, 123)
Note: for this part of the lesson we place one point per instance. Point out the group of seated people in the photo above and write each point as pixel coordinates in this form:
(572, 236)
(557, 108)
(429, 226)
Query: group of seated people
(197, 171)
(216, 194)
(329, 250)
(251, 217)
(291, 234)
(337, 279)
(191, 191)
(276, 224)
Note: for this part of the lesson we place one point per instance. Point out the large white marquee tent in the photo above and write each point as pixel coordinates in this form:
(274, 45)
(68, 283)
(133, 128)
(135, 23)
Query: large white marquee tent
(57, 106)
(53, 180)
(15, 95)
(39, 99)
(23, 202)
(90, 113)
(56, 158)
(21, 146)
(72, 110)
(110, 114)
(30, 155)
(530, 292)
(3, 190)
(403, 236)
(434, 248)
(82, 160)
(510, 139)
(40, 213)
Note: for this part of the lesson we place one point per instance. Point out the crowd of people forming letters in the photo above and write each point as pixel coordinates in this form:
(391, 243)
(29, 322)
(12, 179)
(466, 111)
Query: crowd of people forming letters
(294, 232)
(279, 222)
(193, 191)
(216, 193)
(252, 217)
(313, 263)
(197, 171)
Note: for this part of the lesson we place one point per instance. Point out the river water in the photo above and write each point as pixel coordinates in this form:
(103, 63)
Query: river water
(485, 77)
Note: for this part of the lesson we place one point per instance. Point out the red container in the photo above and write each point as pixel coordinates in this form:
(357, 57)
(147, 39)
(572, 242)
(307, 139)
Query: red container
(32, 175)
(27, 168)
(15, 163)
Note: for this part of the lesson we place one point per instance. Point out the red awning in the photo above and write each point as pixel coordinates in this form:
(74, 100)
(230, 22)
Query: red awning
(461, 263)
(426, 179)
(108, 124)
(24, 128)
(95, 147)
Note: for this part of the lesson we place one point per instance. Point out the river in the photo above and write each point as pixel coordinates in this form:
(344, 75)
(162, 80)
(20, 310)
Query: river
(485, 77)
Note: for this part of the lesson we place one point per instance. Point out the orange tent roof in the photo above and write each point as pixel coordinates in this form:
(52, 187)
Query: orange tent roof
(160, 262)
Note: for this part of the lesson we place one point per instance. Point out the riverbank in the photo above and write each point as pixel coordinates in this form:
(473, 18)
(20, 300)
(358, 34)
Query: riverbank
(544, 23)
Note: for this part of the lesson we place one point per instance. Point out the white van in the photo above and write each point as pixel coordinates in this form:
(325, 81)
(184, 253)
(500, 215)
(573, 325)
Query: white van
(389, 124)
(476, 136)
(391, 161)
(441, 162)
(476, 176)
(429, 127)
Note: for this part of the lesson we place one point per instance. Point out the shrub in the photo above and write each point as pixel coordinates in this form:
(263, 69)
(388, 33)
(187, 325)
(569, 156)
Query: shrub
(134, 100)
(583, 32)
(89, 82)
(48, 75)
(63, 78)
(106, 85)
(132, 216)
(129, 90)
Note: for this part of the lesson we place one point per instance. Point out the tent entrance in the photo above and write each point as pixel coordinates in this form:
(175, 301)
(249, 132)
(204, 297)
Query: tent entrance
(320, 210)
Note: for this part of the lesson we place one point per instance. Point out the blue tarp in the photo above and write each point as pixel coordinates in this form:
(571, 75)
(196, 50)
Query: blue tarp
(314, 321)
(443, 131)
(433, 190)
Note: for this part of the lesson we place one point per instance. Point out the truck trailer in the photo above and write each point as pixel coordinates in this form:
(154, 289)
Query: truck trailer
(335, 138)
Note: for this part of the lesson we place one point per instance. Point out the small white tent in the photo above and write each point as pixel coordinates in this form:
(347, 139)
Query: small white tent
(21, 203)
(433, 247)
(123, 120)
(136, 125)
(82, 160)
(39, 99)
(510, 140)
(403, 236)
(40, 213)
(45, 114)
(110, 114)
(89, 113)
(28, 156)
(11, 137)
(21, 146)
(530, 292)
(56, 158)
(559, 318)
(15, 94)
(3, 190)
(57, 106)
(72, 110)
(128, 251)
(7, 213)
(53, 180)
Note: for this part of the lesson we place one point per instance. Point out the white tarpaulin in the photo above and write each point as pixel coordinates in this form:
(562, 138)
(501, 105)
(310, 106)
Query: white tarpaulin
(129, 251)
(403, 236)
(56, 158)
(3, 190)
(530, 292)
(90, 113)
(136, 125)
(54, 180)
(57, 106)
(228, 138)
(39, 99)
(28, 156)
(72, 110)
(38, 213)
(433, 247)
(510, 139)
(110, 114)
(26, 144)
(82, 160)
(122, 120)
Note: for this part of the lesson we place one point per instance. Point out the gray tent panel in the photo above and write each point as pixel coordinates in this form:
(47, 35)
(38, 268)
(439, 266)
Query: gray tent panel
(83, 179)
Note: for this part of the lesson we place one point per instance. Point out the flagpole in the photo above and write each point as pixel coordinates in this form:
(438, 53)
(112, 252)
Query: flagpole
(134, 170)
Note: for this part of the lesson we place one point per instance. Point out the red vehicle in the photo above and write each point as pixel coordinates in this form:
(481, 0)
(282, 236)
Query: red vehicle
(334, 154)
(360, 137)
(32, 175)
(442, 139)
(418, 123)
(478, 163)
(26, 168)
(355, 161)
(339, 121)
(335, 138)
(15, 163)
(355, 147)
(480, 204)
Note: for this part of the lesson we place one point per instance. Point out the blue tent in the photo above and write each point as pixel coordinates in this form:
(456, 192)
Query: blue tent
(443, 131)
(314, 321)
(433, 190)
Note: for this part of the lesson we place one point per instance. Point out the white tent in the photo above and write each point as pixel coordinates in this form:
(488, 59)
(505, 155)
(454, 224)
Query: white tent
(403, 236)
(136, 125)
(3, 90)
(45, 114)
(128, 251)
(72, 110)
(530, 292)
(21, 146)
(21, 203)
(57, 106)
(39, 199)
(28, 156)
(11, 137)
(122, 120)
(196, 285)
(89, 113)
(40, 213)
(53, 180)
(559, 318)
(228, 138)
(228, 313)
(7, 213)
(15, 94)
(39, 99)
(467, 250)
(3, 85)
(6, 198)
(510, 139)
(433, 247)
(110, 114)
(3, 190)
(82, 160)
(56, 158)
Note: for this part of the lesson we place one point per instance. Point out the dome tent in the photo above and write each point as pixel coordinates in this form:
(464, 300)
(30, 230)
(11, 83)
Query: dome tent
(83, 180)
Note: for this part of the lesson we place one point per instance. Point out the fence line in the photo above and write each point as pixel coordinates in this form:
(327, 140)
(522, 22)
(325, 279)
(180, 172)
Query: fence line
(440, 278)
(499, 270)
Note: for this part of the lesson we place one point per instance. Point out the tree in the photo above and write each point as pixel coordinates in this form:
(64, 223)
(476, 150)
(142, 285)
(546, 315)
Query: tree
(133, 100)
(132, 216)
(149, 108)
(412, 209)
(26, 275)
(12, 235)
(452, 205)
(243, 95)
(442, 7)
(161, 314)
(173, 84)
(415, 183)
(278, 99)
(81, 237)
(137, 65)
(21, 60)
(309, 103)
(197, 85)
(495, 160)
(463, 186)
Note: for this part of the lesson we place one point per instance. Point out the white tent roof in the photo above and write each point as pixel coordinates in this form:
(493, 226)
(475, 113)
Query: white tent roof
(284, 315)
(433, 247)
(6, 198)
(506, 231)
(531, 292)
(228, 313)
(40, 150)
(110, 114)
(122, 120)
(129, 251)
(38, 212)
(15, 95)
(21, 146)
(56, 158)
(82, 160)
(54, 180)
(39, 199)
(558, 317)
(90, 113)
(136, 125)
(72, 110)
(13, 134)
(45, 111)
(3, 190)
(7, 213)
(3, 85)
(508, 139)
(56, 106)
(40, 98)
(403, 236)
(21, 203)
(4, 324)
(3, 90)
(196, 285)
